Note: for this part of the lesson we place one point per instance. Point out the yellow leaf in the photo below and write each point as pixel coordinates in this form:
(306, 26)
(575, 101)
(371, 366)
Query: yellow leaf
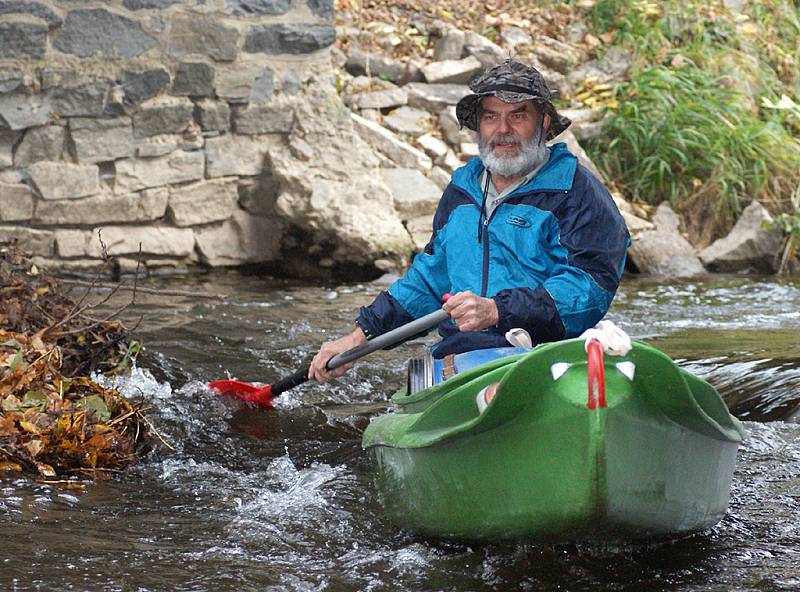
(45, 470)
(29, 427)
(10, 466)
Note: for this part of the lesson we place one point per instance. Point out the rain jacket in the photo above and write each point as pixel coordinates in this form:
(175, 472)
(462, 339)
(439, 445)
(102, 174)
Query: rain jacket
(550, 255)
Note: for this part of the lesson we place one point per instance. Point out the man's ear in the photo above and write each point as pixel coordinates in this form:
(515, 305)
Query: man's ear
(546, 122)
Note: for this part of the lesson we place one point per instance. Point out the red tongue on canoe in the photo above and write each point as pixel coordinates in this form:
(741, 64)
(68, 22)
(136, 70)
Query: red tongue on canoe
(259, 395)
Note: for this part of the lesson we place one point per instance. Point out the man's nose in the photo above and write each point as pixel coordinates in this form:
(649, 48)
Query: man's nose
(504, 125)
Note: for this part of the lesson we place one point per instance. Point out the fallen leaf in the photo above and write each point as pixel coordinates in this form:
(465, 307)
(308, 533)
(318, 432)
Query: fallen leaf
(10, 466)
(33, 447)
(46, 470)
(10, 403)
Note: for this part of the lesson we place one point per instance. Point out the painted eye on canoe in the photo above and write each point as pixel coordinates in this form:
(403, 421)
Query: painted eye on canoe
(558, 369)
(628, 369)
(485, 396)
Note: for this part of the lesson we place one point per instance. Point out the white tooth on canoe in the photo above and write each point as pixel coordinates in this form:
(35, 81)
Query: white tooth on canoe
(628, 369)
(558, 369)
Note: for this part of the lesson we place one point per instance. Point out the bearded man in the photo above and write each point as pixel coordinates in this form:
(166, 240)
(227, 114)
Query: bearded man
(524, 236)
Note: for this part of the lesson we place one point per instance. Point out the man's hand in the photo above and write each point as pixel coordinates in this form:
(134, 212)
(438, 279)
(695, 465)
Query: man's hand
(329, 349)
(471, 312)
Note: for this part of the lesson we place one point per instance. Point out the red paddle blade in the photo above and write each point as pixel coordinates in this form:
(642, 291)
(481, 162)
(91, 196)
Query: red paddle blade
(259, 395)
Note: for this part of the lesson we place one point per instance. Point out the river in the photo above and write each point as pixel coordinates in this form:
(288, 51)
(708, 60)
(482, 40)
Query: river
(284, 500)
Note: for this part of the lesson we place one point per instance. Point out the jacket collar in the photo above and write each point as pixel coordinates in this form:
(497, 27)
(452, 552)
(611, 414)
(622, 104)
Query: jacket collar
(557, 175)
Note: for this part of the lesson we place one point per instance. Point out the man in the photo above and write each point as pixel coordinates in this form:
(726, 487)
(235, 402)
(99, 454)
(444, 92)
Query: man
(524, 236)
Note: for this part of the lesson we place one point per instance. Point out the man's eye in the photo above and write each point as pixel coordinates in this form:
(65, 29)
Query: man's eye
(489, 116)
(519, 116)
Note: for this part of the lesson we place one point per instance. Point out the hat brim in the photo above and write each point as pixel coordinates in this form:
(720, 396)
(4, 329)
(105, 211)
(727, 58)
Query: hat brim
(468, 108)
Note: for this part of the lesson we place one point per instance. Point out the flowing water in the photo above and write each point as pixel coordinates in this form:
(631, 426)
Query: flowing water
(284, 500)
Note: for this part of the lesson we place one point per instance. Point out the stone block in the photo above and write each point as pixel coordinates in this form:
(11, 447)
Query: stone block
(64, 180)
(394, 148)
(407, 120)
(414, 194)
(452, 71)
(19, 110)
(140, 86)
(162, 115)
(40, 143)
(263, 86)
(16, 203)
(238, 155)
(160, 145)
(77, 243)
(289, 38)
(194, 79)
(321, 8)
(7, 141)
(203, 202)
(105, 208)
(435, 97)
(30, 240)
(379, 99)
(155, 240)
(176, 167)
(100, 140)
(274, 117)
(30, 9)
(202, 35)
(242, 239)
(96, 32)
(88, 100)
(213, 115)
(235, 86)
(449, 46)
(22, 39)
(147, 4)
(253, 8)
(359, 62)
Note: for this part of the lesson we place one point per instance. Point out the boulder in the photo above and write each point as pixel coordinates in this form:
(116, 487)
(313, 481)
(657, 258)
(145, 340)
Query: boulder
(379, 99)
(663, 251)
(243, 238)
(360, 62)
(421, 230)
(450, 46)
(433, 146)
(452, 71)
(435, 97)
(753, 244)
(64, 180)
(612, 66)
(414, 194)
(16, 203)
(393, 147)
(177, 167)
(486, 51)
(515, 36)
(452, 130)
(105, 208)
(203, 202)
(439, 176)
(407, 120)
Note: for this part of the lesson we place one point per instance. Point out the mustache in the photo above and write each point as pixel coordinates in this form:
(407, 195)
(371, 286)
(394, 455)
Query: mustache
(505, 139)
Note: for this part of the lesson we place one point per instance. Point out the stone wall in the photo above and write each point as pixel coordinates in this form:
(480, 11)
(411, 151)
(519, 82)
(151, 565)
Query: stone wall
(156, 123)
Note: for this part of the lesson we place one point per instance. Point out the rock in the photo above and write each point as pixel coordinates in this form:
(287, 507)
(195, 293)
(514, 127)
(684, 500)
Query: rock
(752, 245)
(140, 86)
(19, 110)
(16, 203)
(29, 240)
(203, 202)
(40, 143)
(162, 115)
(360, 62)
(147, 4)
(469, 149)
(11, 177)
(160, 145)
(450, 162)
(88, 99)
(452, 130)
(105, 208)
(176, 167)
(290, 85)
(11, 80)
(635, 224)
(235, 86)
(194, 79)
(439, 176)
(433, 146)
(22, 39)
(238, 155)
(7, 141)
(449, 46)
(421, 229)
(435, 97)
(257, 195)
(484, 50)
(515, 36)
(663, 251)
(242, 239)
(556, 55)
(274, 117)
(321, 8)
(381, 99)
(36, 9)
(288, 38)
(154, 240)
(407, 120)
(100, 140)
(213, 115)
(64, 180)
(263, 87)
(452, 71)
(254, 8)
(612, 66)
(574, 146)
(196, 34)
(414, 194)
(398, 151)
(99, 33)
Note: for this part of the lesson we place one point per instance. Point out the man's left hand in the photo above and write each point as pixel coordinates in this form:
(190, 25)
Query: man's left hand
(471, 312)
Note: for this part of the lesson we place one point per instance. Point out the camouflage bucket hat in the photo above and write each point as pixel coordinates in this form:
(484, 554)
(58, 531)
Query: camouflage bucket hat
(511, 82)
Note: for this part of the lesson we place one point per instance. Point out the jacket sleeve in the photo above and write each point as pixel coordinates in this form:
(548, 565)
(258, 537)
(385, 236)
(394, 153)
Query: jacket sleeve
(417, 293)
(579, 291)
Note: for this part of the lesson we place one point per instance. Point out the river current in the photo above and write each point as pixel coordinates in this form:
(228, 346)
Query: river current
(284, 500)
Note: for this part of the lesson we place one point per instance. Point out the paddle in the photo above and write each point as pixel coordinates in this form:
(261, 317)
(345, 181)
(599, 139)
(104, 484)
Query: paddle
(263, 395)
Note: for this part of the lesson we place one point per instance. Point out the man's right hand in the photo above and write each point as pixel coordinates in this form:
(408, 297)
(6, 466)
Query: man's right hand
(329, 349)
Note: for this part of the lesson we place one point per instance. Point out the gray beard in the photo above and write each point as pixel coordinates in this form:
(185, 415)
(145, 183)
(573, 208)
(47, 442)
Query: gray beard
(531, 154)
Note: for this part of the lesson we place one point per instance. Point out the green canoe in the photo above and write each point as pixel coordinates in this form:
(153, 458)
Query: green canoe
(550, 459)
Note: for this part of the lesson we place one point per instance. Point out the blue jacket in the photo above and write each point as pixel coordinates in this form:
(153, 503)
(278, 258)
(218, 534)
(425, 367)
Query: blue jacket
(551, 257)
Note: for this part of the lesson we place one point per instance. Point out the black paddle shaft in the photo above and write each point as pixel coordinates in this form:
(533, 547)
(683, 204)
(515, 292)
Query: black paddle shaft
(393, 337)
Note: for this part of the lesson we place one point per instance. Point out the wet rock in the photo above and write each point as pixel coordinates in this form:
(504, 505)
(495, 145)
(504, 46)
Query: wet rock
(40, 143)
(64, 180)
(162, 115)
(22, 39)
(389, 144)
(435, 97)
(284, 38)
(194, 79)
(105, 208)
(113, 35)
(203, 202)
(452, 71)
(752, 245)
(213, 115)
(16, 203)
(177, 167)
(449, 46)
(663, 251)
(242, 239)
(413, 193)
(140, 86)
(407, 120)
(100, 140)
(206, 35)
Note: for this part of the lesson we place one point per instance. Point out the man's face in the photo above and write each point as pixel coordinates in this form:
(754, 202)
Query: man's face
(504, 126)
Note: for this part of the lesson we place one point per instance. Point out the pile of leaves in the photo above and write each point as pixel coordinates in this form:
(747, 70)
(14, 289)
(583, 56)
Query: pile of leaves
(54, 420)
